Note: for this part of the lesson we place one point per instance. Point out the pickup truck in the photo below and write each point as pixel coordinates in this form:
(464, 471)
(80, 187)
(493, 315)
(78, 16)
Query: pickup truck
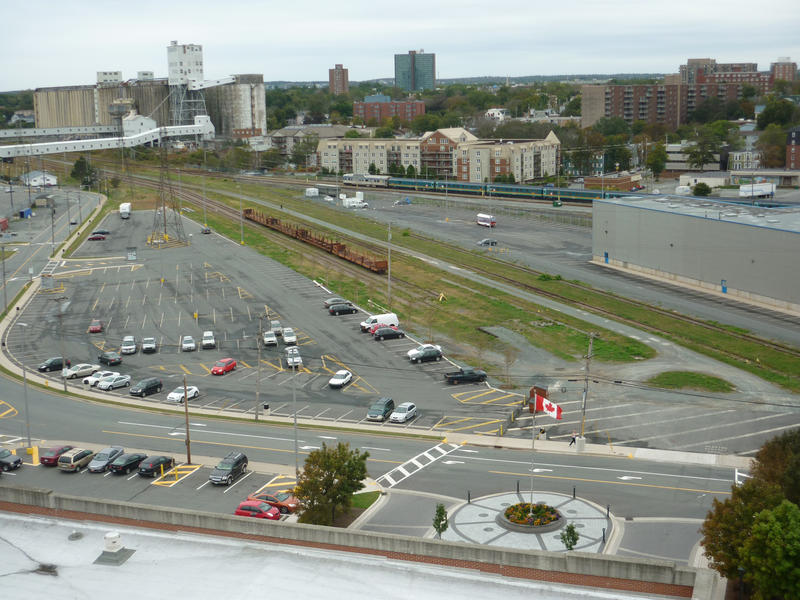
(465, 375)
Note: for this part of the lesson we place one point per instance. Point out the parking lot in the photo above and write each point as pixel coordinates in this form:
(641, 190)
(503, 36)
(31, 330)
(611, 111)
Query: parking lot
(217, 285)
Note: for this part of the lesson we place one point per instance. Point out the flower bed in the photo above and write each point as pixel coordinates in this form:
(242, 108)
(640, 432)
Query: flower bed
(540, 518)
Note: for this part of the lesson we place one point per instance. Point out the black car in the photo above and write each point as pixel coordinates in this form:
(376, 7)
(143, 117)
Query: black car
(127, 463)
(152, 466)
(103, 459)
(335, 300)
(54, 364)
(205, 230)
(487, 242)
(9, 461)
(110, 358)
(101, 232)
(387, 333)
(342, 309)
(148, 386)
(231, 467)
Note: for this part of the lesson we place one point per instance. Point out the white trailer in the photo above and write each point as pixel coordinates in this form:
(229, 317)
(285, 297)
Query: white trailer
(312, 192)
(757, 190)
(125, 210)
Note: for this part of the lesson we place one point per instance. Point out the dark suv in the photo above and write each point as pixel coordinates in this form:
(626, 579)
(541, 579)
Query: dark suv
(148, 386)
(54, 364)
(380, 410)
(342, 309)
(229, 468)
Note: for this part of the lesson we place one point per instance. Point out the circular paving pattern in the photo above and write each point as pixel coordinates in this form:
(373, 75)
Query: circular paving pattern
(476, 523)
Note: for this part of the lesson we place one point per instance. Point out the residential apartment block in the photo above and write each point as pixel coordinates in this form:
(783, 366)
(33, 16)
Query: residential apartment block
(415, 71)
(783, 69)
(449, 153)
(338, 81)
(378, 108)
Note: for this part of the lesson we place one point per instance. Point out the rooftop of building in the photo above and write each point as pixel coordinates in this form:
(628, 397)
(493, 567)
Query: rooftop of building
(782, 218)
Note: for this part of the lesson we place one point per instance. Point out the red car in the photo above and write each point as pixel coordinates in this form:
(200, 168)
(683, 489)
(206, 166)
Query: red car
(259, 510)
(377, 326)
(284, 501)
(96, 237)
(96, 326)
(223, 366)
(50, 456)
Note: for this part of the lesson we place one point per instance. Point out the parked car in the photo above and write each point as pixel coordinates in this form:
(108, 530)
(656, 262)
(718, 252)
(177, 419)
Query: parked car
(387, 333)
(405, 412)
(104, 458)
(56, 363)
(96, 326)
(80, 370)
(465, 375)
(342, 309)
(75, 459)
(145, 387)
(96, 237)
(149, 345)
(270, 339)
(293, 358)
(340, 379)
(289, 336)
(188, 344)
(110, 358)
(49, 457)
(92, 379)
(126, 463)
(377, 326)
(128, 345)
(222, 366)
(191, 392)
(208, 340)
(9, 460)
(101, 232)
(335, 300)
(275, 327)
(487, 242)
(113, 382)
(424, 353)
(259, 510)
(229, 468)
(380, 410)
(155, 466)
(205, 230)
(284, 501)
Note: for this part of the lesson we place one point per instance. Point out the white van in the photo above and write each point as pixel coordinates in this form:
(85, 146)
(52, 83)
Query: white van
(385, 319)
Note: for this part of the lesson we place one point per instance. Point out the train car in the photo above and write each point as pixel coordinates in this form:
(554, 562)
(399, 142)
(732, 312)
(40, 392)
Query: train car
(366, 180)
(460, 187)
(411, 184)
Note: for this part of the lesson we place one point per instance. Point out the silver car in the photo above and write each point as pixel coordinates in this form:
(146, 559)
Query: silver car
(104, 458)
(114, 382)
(188, 344)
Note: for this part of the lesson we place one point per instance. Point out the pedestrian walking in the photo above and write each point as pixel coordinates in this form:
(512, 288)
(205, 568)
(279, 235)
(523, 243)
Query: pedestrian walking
(573, 437)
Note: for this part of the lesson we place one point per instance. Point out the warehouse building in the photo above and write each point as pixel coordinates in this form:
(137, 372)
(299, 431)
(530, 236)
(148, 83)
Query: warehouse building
(745, 252)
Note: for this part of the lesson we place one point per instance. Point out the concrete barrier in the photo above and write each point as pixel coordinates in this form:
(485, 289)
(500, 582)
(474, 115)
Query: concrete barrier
(576, 568)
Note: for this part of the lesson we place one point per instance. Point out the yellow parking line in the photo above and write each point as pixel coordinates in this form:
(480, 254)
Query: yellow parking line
(8, 412)
(185, 370)
(208, 371)
(481, 424)
(276, 367)
(461, 420)
(277, 481)
(241, 362)
(476, 395)
(176, 474)
(493, 400)
(458, 395)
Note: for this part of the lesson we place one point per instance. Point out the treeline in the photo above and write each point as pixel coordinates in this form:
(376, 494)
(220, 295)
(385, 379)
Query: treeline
(11, 102)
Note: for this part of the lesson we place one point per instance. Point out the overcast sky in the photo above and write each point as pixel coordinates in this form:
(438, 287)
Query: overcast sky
(53, 42)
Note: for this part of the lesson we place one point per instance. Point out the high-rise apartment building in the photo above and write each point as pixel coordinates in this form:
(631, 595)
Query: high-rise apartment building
(783, 69)
(415, 71)
(378, 108)
(338, 80)
(793, 148)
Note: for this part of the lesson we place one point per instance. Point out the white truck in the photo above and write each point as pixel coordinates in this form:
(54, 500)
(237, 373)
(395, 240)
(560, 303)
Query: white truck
(354, 203)
(125, 210)
(757, 190)
(312, 192)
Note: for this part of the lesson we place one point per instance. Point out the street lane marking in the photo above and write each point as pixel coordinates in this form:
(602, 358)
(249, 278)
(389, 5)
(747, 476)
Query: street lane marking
(238, 481)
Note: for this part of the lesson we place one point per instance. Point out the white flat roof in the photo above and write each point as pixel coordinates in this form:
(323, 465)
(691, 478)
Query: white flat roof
(785, 218)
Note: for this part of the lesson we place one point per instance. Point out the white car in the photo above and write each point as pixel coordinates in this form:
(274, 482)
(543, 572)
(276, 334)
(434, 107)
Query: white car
(403, 413)
(128, 345)
(149, 345)
(270, 339)
(425, 352)
(114, 382)
(177, 394)
(188, 344)
(81, 370)
(293, 358)
(94, 378)
(340, 379)
(208, 340)
(275, 327)
(289, 336)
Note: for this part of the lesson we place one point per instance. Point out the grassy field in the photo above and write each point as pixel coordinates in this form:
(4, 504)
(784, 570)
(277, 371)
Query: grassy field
(688, 380)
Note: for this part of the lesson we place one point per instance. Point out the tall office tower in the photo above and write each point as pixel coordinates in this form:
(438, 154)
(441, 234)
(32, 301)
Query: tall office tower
(415, 70)
(338, 80)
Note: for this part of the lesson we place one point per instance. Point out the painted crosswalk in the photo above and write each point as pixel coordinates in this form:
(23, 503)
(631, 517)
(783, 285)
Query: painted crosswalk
(415, 464)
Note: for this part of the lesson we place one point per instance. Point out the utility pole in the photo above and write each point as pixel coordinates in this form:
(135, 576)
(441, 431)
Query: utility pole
(389, 279)
(258, 370)
(186, 416)
(62, 306)
(586, 381)
(5, 293)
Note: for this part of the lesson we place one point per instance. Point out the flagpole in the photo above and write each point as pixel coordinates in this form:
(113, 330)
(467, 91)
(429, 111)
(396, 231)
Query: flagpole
(533, 451)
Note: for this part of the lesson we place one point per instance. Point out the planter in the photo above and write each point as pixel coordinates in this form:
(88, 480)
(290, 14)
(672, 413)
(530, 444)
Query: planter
(549, 518)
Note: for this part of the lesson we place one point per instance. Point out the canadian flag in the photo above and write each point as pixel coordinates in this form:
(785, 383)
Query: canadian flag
(544, 405)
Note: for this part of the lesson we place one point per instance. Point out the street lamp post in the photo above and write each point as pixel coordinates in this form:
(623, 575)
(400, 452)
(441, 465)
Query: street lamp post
(25, 393)
(258, 370)
(389, 278)
(294, 410)
(5, 293)
(241, 216)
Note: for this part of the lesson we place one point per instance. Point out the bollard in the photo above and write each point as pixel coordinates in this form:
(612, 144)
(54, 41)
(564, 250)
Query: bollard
(573, 492)
(468, 498)
(604, 535)
(608, 510)
(517, 486)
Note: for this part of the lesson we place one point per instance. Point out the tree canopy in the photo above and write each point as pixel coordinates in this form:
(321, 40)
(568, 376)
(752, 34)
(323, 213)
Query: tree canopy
(330, 477)
(657, 159)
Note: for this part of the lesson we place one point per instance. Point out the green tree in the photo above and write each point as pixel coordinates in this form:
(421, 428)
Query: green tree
(440, 522)
(701, 189)
(385, 131)
(330, 477)
(411, 172)
(352, 133)
(426, 122)
(772, 144)
(702, 151)
(657, 159)
(612, 126)
(778, 463)
(776, 111)
(573, 108)
(301, 150)
(569, 537)
(770, 554)
(84, 173)
(372, 170)
(271, 159)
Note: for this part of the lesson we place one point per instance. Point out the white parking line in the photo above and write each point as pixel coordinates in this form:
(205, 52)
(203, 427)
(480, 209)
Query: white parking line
(233, 485)
(202, 485)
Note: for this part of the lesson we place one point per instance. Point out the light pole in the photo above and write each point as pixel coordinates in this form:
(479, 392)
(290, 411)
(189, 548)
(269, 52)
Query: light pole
(586, 381)
(5, 293)
(25, 392)
(389, 278)
(186, 418)
(63, 305)
(52, 231)
(241, 216)
(258, 370)
(294, 410)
